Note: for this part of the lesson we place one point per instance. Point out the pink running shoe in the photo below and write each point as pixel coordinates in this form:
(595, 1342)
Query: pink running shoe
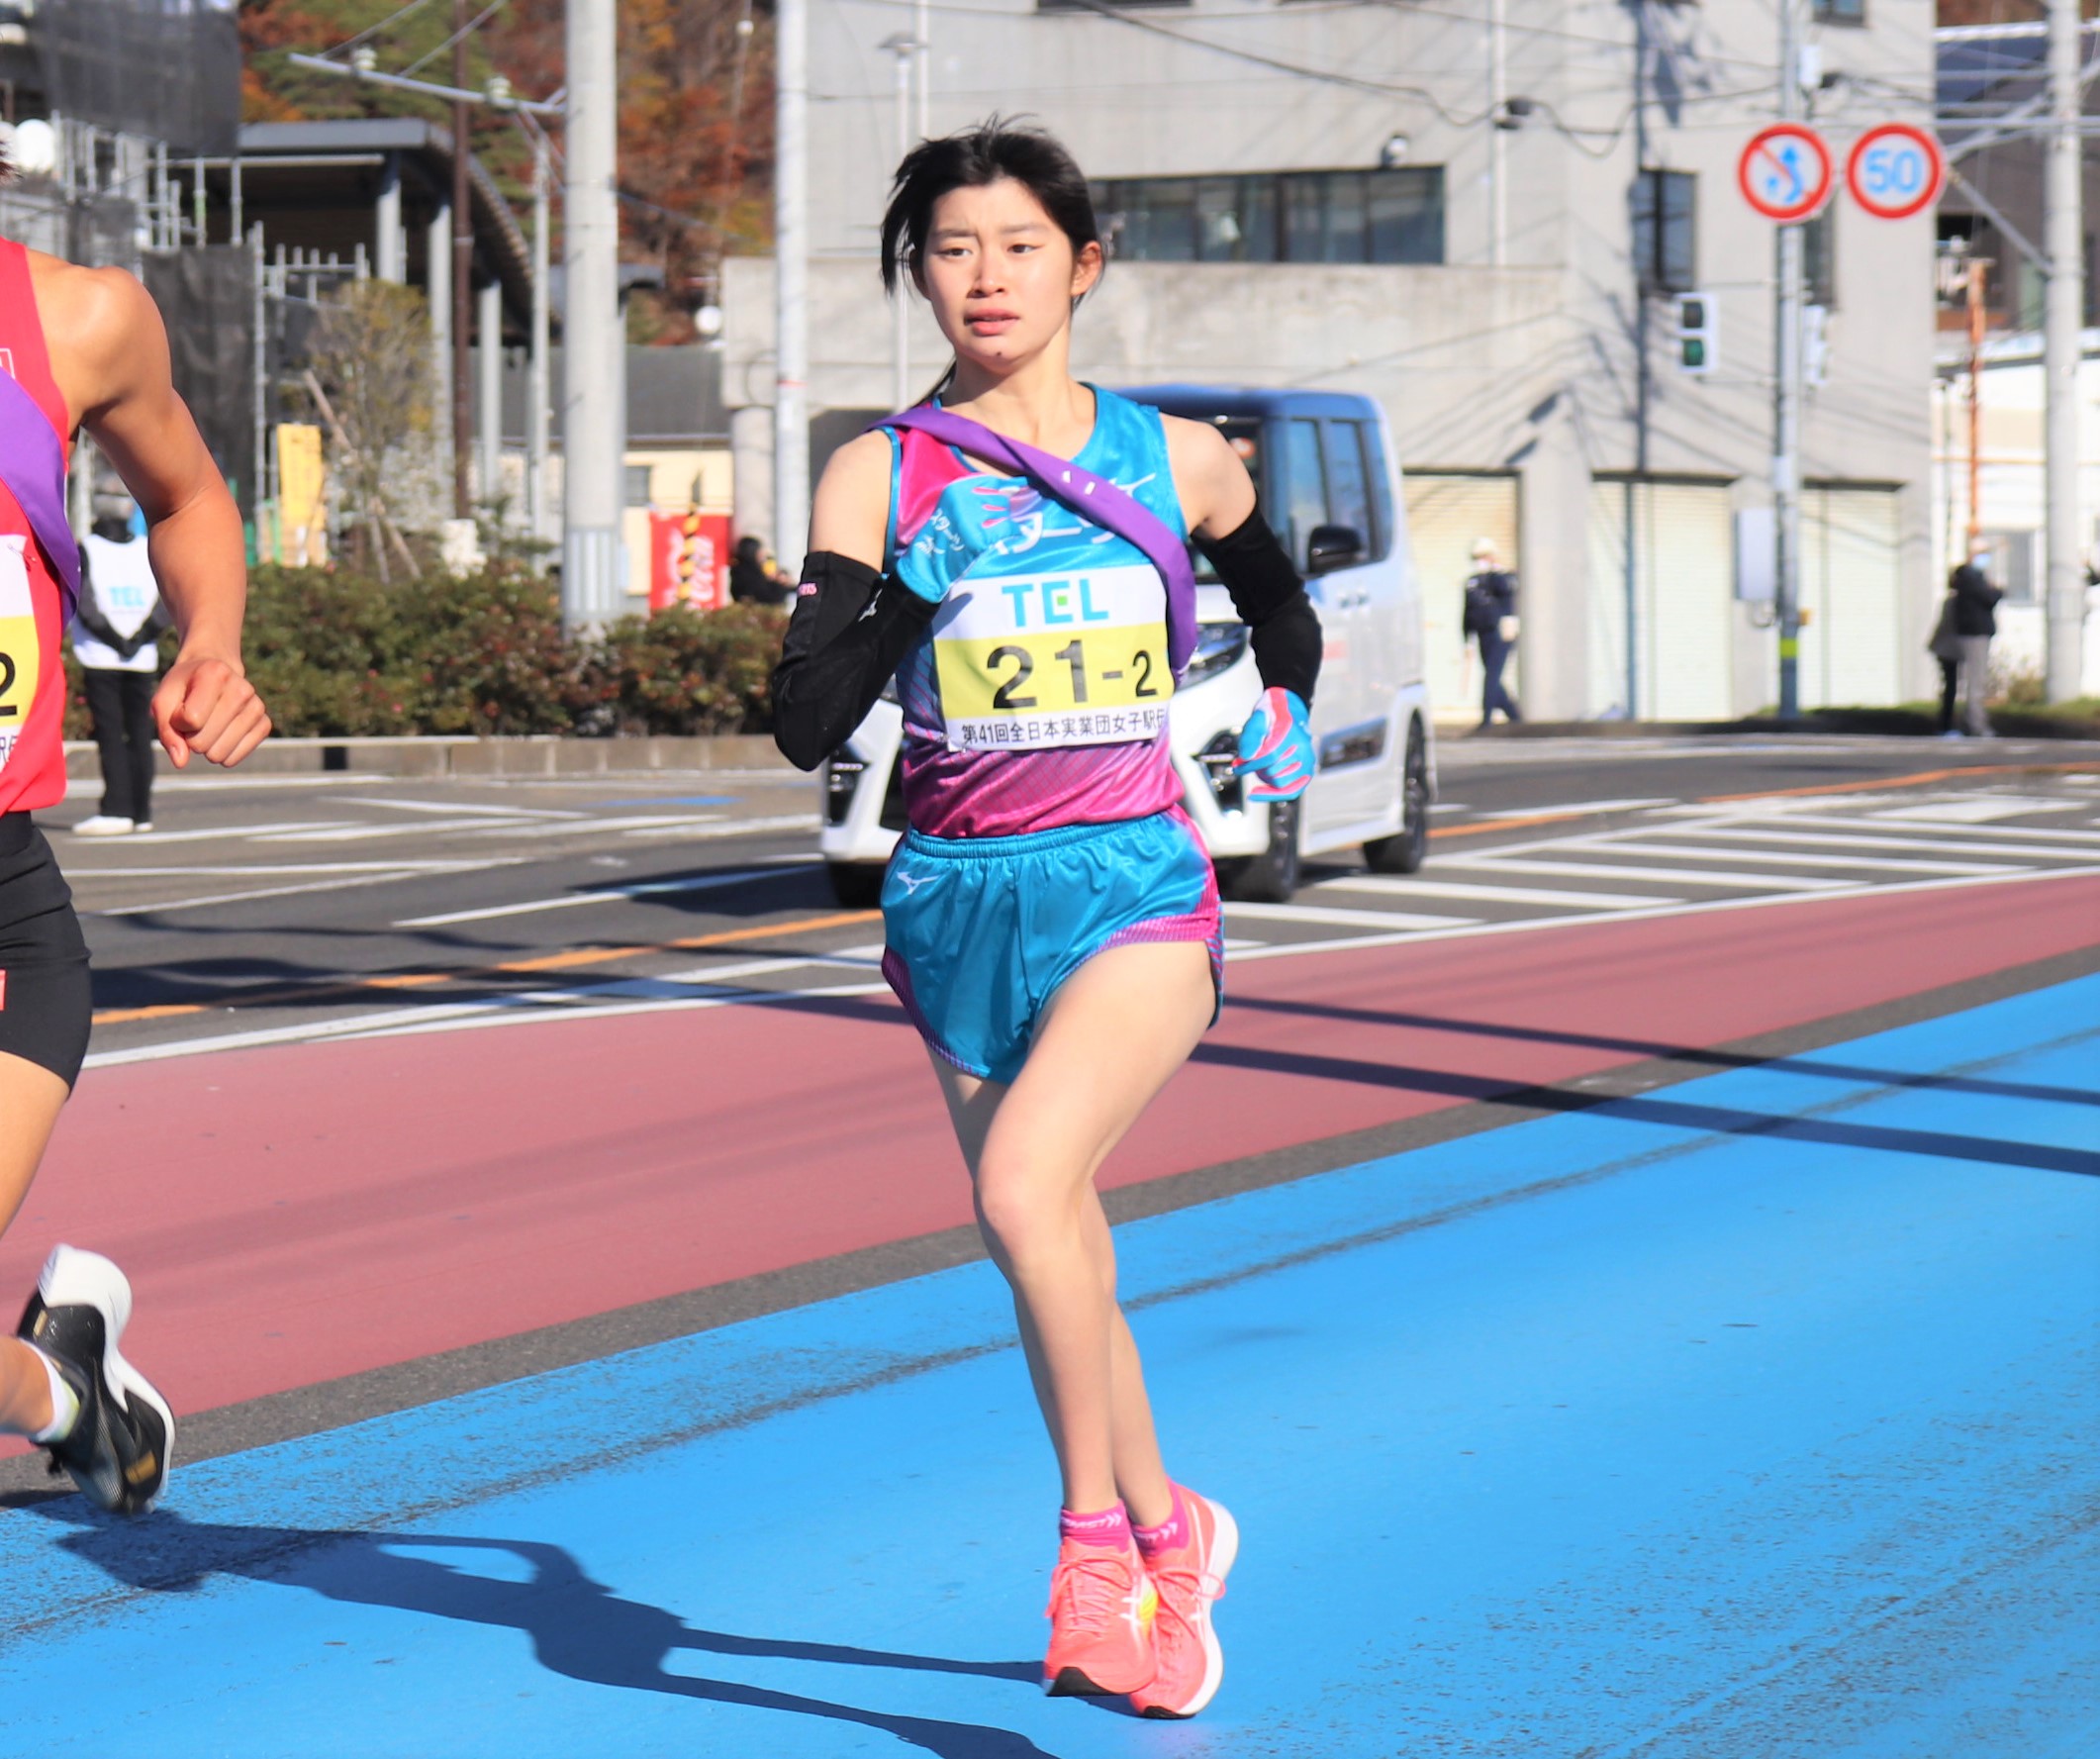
(1190, 1577)
(1101, 1606)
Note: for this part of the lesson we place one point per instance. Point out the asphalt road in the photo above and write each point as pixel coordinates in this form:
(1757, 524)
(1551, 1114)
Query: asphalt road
(285, 907)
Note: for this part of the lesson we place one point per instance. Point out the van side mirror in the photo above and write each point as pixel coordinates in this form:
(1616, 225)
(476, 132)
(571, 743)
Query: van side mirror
(1333, 547)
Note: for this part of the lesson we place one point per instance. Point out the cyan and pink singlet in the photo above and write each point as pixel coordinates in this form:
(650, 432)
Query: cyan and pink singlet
(1044, 809)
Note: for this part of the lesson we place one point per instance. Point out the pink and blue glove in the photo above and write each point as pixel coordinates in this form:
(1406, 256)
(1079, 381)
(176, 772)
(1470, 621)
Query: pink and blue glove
(1275, 747)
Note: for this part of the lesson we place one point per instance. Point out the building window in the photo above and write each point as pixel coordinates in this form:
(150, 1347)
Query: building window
(1841, 12)
(1665, 253)
(1395, 216)
(638, 484)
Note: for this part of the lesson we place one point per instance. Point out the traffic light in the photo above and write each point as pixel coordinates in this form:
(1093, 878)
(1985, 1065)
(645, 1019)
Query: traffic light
(1696, 325)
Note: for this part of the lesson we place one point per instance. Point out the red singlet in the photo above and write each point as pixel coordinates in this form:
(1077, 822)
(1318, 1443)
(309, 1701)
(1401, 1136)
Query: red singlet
(32, 673)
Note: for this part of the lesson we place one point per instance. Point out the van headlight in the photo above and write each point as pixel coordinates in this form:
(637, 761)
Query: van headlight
(1218, 646)
(844, 770)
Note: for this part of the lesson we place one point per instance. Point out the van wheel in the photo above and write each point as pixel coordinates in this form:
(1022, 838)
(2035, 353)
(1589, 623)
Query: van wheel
(1272, 877)
(858, 885)
(1408, 847)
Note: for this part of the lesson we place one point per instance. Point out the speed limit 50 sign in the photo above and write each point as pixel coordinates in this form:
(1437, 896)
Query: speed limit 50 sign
(1895, 170)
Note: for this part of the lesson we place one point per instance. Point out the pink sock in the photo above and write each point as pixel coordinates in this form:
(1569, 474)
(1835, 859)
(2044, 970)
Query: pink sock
(1111, 1527)
(1172, 1531)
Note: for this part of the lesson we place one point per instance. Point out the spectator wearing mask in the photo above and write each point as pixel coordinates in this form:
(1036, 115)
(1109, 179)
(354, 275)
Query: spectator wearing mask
(755, 578)
(117, 640)
(1975, 623)
(1490, 618)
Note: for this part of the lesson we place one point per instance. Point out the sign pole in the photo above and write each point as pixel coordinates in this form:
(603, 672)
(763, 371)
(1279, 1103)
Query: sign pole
(1786, 416)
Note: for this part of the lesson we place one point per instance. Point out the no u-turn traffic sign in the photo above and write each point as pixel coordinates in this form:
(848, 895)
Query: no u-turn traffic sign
(1786, 172)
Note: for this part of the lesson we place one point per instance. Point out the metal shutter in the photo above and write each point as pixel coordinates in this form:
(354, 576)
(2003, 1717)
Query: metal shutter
(1683, 599)
(1850, 586)
(1446, 516)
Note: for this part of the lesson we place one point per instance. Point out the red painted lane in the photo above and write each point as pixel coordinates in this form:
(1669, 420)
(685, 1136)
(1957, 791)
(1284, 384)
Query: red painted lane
(289, 1214)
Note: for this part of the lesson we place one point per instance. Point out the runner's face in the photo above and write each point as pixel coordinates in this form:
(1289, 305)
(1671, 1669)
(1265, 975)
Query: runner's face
(1000, 273)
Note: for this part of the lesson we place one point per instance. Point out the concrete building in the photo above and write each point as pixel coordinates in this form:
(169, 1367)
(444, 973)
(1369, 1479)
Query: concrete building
(1484, 227)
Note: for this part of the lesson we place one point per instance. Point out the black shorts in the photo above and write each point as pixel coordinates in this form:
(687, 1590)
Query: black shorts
(46, 1002)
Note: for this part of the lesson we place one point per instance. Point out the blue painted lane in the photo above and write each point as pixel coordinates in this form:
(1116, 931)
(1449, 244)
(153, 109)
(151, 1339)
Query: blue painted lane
(1753, 1417)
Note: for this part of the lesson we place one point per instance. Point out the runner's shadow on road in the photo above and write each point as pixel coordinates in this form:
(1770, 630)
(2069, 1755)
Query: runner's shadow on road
(578, 1628)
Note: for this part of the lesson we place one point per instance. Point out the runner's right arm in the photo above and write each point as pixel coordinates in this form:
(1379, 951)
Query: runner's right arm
(110, 355)
(852, 624)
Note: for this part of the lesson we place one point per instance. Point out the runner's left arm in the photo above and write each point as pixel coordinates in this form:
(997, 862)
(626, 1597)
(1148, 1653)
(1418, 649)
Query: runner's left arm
(1217, 498)
(205, 705)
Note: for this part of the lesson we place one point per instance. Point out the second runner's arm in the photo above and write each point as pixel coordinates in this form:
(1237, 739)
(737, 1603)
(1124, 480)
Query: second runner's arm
(116, 371)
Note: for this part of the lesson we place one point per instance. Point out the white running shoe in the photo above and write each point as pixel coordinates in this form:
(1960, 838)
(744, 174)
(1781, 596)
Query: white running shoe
(104, 825)
(119, 1446)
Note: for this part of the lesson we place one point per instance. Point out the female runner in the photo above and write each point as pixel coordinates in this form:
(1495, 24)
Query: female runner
(1052, 917)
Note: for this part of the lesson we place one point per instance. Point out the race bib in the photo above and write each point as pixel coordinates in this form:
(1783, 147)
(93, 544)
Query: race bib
(20, 651)
(1039, 660)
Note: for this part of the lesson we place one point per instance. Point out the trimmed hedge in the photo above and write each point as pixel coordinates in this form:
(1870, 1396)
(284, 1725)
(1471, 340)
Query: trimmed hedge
(337, 654)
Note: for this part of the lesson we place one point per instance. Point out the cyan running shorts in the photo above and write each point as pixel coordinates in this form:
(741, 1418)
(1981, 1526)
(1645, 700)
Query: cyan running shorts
(45, 996)
(983, 930)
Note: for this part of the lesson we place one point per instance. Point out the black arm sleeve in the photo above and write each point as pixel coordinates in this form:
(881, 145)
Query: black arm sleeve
(844, 640)
(1271, 599)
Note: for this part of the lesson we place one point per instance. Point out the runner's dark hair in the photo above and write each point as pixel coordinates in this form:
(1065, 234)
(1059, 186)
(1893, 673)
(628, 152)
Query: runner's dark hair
(969, 160)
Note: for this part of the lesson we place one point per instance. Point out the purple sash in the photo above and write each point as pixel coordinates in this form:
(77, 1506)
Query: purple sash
(33, 465)
(1093, 497)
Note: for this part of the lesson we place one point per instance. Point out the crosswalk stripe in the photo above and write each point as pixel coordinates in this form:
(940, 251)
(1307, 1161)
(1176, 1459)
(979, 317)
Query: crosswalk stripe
(1348, 919)
(1807, 857)
(1390, 885)
(1499, 862)
(1884, 840)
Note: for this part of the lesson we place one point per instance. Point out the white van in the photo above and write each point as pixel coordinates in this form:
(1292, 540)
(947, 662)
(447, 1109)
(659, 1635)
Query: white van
(1322, 463)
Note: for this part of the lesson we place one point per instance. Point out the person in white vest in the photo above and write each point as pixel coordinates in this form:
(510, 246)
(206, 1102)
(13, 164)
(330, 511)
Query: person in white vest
(117, 640)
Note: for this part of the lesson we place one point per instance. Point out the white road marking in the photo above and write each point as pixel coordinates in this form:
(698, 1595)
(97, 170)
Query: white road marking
(226, 833)
(1982, 809)
(442, 806)
(1801, 858)
(1313, 913)
(422, 828)
(248, 872)
(1393, 885)
(591, 826)
(139, 909)
(1575, 806)
(1945, 836)
(1665, 876)
(743, 828)
(597, 895)
(1825, 839)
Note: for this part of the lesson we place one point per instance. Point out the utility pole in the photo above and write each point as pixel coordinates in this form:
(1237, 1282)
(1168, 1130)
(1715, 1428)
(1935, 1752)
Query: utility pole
(1641, 295)
(1786, 423)
(1978, 317)
(923, 29)
(536, 372)
(2064, 236)
(593, 430)
(907, 50)
(791, 281)
(1499, 134)
(462, 271)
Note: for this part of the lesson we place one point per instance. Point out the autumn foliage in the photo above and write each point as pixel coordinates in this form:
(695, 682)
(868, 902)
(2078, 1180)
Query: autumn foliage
(696, 146)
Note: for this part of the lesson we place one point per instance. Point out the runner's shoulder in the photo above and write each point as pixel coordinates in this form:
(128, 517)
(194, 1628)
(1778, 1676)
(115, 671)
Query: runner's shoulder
(91, 314)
